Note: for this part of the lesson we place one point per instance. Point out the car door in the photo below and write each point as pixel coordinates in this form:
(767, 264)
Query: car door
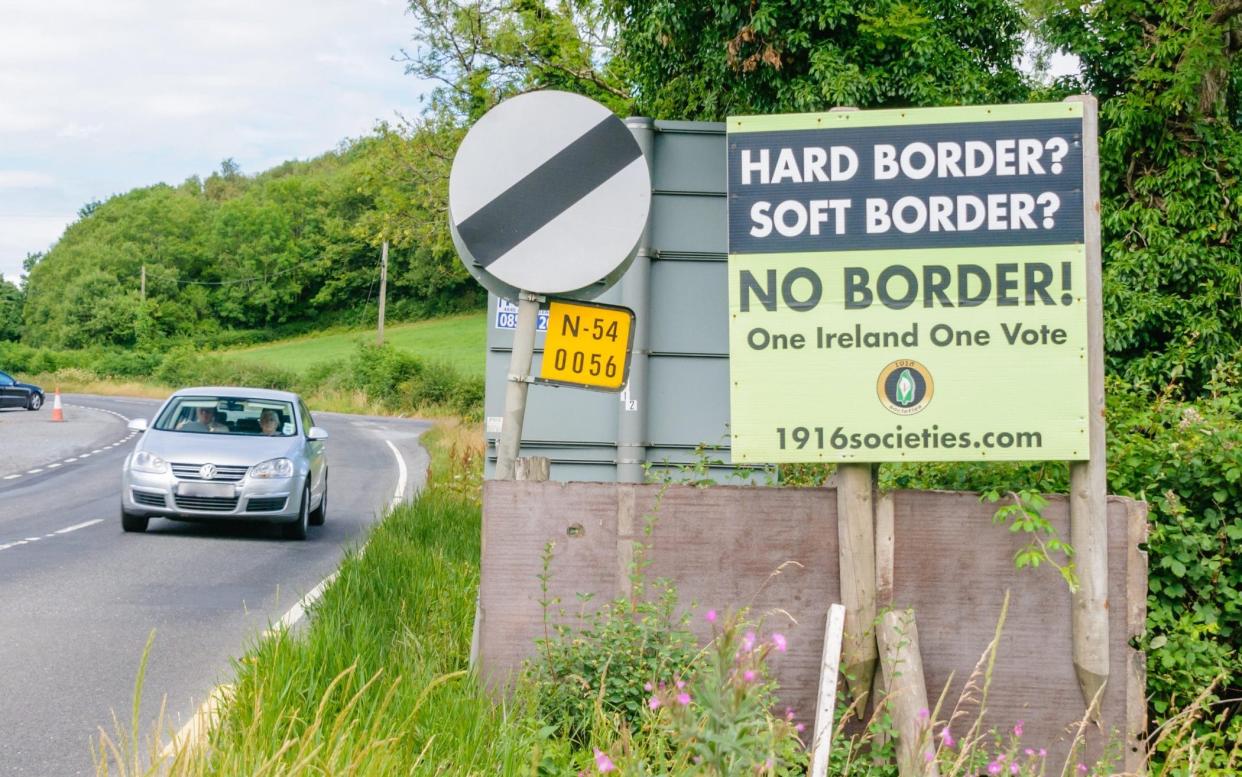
(314, 453)
(10, 395)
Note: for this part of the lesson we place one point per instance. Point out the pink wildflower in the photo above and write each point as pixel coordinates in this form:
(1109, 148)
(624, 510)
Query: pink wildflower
(947, 738)
(778, 641)
(1082, 768)
(748, 641)
(654, 703)
(924, 713)
(749, 675)
(681, 684)
(1029, 751)
(994, 767)
(1017, 730)
(683, 698)
(603, 763)
(648, 687)
(1043, 753)
(800, 727)
(710, 615)
(1013, 768)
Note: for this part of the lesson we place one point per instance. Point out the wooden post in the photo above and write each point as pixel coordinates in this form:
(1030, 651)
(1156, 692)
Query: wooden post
(907, 692)
(383, 293)
(856, 555)
(144, 283)
(1088, 479)
(821, 744)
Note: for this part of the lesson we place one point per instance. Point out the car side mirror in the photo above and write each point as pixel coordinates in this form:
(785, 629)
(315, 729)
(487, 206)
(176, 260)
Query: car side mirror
(317, 433)
(137, 424)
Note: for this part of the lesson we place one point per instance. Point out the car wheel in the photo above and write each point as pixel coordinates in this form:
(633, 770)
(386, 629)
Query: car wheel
(318, 515)
(297, 529)
(133, 523)
(35, 402)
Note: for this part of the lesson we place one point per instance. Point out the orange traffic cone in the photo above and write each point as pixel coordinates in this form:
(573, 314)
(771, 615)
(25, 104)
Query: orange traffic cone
(58, 413)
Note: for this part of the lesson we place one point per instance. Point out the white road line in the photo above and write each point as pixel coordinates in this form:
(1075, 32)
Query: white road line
(11, 477)
(77, 526)
(34, 471)
(399, 494)
(199, 724)
(70, 460)
(54, 466)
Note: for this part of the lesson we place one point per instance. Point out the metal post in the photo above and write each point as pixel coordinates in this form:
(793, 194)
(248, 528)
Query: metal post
(636, 295)
(383, 292)
(1089, 479)
(519, 381)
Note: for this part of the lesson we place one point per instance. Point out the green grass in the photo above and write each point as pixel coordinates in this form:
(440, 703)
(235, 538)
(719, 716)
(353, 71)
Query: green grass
(459, 340)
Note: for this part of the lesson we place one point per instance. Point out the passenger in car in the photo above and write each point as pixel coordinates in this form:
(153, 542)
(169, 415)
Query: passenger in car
(269, 420)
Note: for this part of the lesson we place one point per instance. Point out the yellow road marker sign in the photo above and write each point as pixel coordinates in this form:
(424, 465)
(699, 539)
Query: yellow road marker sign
(587, 345)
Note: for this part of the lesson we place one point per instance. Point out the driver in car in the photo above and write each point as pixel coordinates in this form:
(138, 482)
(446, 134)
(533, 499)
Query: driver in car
(205, 422)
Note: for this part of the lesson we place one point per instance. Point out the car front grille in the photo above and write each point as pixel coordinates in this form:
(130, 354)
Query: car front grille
(225, 473)
(266, 504)
(150, 500)
(222, 504)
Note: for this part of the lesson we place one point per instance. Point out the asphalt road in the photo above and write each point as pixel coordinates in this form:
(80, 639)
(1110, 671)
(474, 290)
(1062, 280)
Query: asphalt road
(78, 598)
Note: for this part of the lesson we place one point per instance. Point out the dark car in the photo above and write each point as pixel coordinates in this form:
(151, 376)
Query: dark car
(14, 394)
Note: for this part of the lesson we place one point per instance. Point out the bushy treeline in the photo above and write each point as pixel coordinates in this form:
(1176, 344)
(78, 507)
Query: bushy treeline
(383, 377)
(238, 257)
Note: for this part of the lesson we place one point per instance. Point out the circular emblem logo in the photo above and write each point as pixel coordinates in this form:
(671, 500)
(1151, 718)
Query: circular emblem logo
(207, 471)
(904, 387)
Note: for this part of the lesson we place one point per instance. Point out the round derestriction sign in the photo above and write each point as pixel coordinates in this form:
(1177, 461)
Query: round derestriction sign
(549, 193)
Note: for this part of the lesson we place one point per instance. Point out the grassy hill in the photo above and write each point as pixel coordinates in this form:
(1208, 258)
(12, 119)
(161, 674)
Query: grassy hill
(458, 340)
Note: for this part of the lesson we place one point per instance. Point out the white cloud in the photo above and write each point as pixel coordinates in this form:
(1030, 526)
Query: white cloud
(99, 97)
(25, 179)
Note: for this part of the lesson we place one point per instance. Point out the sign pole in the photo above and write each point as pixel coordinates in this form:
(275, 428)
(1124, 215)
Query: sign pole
(1089, 479)
(519, 381)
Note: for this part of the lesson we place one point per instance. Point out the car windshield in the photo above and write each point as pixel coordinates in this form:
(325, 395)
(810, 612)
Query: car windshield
(228, 415)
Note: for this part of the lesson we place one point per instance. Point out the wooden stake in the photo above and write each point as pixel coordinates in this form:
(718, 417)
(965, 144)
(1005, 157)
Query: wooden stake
(1088, 479)
(907, 692)
(856, 555)
(834, 631)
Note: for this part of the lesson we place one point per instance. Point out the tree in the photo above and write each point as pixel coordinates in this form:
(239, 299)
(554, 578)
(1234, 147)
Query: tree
(1168, 77)
(11, 300)
(708, 60)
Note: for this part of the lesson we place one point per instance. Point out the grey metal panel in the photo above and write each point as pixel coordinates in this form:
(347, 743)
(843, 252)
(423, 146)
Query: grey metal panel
(689, 162)
(689, 401)
(689, 307)
(570, 472)
(695, 224)
(553, 413)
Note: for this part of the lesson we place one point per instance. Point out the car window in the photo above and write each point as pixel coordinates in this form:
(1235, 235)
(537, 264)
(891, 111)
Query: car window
(5, 380)
(307, 419)
(228, 415)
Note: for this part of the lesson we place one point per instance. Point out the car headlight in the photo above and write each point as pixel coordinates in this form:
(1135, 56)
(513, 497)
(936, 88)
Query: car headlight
(148, 462)
(272, 468)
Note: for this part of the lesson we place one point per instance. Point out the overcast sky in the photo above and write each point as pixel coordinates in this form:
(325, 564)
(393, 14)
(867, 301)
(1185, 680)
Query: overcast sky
(100, 96)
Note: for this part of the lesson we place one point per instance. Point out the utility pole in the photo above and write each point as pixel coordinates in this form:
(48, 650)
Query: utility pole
(144, 283)
(383, 293)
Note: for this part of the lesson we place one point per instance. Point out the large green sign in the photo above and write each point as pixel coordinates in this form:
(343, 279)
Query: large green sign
(908, 285)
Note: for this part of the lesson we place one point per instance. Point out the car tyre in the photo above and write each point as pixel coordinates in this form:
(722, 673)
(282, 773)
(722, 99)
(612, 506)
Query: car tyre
(134, 523)
(320, 513)
(297, 529)
(35, 402)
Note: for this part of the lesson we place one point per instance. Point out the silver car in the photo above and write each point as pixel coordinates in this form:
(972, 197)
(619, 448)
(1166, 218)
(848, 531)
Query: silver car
(217, 452)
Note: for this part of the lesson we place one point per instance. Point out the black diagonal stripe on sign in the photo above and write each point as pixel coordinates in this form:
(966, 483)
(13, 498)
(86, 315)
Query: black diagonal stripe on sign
(549, 190)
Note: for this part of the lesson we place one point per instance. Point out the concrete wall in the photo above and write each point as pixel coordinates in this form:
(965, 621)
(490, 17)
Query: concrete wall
(723, 546)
